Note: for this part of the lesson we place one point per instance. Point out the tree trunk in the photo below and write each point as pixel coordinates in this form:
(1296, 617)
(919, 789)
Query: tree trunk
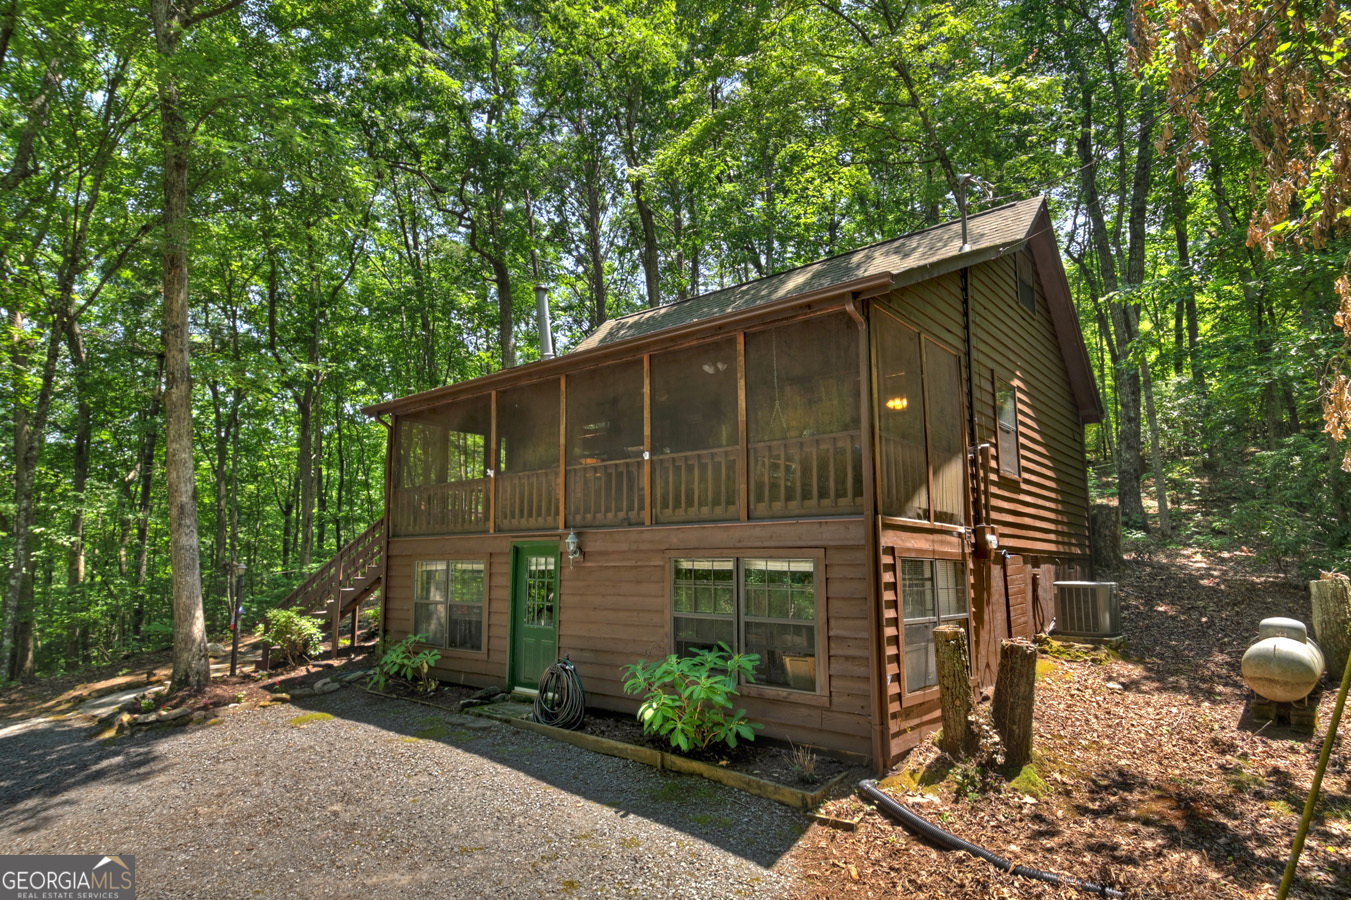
(954, 691)
(146, 463)
(1156, 454)
(1014, 692)
(1332, 620)
(191, 667)
(305, 467)
(1104, 526)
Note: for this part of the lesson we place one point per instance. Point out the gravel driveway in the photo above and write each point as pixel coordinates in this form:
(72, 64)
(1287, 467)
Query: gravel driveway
(384, 799)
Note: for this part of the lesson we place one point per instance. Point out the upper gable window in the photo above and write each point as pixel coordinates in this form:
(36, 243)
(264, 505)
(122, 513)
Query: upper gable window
(1026, 277)
(1006, 415)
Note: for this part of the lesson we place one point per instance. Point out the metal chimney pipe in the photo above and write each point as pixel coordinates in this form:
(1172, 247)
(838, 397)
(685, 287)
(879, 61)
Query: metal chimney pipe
(546, 338)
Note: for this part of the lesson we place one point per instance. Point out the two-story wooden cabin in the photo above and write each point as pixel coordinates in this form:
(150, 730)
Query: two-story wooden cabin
(817, 467)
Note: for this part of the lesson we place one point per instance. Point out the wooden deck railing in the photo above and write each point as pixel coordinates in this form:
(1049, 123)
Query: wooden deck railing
(358, 561)
(527, 500)
(822, 474)
(695, 487)
(459, 507)
(609, 493)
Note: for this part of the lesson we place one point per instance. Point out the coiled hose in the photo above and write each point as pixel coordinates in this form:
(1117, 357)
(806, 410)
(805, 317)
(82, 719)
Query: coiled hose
(561, 702)
(931, 831)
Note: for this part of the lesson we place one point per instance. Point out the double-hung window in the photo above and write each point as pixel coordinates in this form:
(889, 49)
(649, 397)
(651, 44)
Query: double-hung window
(765, 606)
(933, 593)
(448, 602)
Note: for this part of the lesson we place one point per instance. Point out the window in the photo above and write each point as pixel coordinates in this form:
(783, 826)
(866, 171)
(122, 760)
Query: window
(1026, 276)
(448, 603)
(1006, 415)
(762, 606)
(933, 593)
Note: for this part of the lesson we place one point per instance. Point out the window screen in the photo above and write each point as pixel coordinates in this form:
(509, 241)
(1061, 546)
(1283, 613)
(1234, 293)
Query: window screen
(695, 441)
(1006, 410)
(440, 484)
(947, 443)
(905, 475)
(528, 456)
(1026, 276)
(605, 445)
(802, 415)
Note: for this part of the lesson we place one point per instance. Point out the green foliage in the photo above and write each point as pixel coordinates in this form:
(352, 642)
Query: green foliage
(689, 700)
(296, 634)
(401, 660)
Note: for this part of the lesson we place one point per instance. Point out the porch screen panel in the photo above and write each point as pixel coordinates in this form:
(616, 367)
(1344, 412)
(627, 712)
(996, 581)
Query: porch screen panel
(695, 452)
(947, 443)
(605, 445)
(441, 479)
(802, 416)
(527, 456)
(900, 400)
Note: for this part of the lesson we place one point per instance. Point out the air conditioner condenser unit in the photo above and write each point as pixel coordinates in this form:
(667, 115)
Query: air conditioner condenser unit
(1087, 609)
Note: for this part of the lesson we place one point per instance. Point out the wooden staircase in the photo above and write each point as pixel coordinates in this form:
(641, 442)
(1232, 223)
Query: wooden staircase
(339, 586)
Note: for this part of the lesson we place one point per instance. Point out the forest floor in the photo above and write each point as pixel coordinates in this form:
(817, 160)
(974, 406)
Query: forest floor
(1153, 777)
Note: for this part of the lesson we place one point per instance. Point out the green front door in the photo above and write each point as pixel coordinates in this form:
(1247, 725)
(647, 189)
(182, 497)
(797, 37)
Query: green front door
(534, 612)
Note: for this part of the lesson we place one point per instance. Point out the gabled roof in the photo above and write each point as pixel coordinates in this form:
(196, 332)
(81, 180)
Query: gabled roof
(869, 271)
(989, 233)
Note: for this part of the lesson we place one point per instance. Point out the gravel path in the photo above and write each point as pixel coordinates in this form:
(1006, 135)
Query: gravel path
(384, 799)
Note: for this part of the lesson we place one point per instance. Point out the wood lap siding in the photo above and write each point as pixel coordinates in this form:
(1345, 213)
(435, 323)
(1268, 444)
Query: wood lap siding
(615, 608)
(1044, 513)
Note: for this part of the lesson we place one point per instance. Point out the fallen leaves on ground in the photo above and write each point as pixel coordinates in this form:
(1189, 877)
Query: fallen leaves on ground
(1161, 782)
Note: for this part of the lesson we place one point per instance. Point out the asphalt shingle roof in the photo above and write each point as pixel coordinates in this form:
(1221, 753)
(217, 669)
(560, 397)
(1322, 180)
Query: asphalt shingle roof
(993, 230)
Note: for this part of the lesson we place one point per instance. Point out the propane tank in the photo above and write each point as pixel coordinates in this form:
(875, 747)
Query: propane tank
(1284, 665)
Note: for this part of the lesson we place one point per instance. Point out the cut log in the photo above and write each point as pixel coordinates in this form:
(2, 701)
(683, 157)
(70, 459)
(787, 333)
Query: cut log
(1104, 528)
(1332, 620)
(1015, 688)
(954, 691)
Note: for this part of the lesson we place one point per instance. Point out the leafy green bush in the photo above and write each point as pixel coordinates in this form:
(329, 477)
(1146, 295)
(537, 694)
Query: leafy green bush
(400, 660)
(296, 634)
(689, 700)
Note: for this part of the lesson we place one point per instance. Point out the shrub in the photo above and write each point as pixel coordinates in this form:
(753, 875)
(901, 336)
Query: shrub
(400, 660)
(296, 634)
(689, 700)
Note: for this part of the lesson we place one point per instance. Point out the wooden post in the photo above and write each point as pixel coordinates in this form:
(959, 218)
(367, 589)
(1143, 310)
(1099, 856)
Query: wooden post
(954, 691)
(1015, 688)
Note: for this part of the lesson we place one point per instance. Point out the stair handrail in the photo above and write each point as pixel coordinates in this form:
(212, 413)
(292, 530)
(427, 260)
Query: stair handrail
(331, 574)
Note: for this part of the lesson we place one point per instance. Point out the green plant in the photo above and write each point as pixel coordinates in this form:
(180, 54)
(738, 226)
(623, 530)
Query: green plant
(689, 700)
(147, 705)
(296, 634)
(804, 763)
(400, 660)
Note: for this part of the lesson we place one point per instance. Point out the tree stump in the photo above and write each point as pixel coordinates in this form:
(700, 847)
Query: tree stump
(1104, 529)
(1014, 690)
(1332, 621)
(954, 691)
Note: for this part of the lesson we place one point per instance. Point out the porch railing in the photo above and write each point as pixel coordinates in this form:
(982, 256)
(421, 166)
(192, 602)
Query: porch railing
(527, 500)
(695, 487)
(609, 493)
(821, 474)
(459, 507)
